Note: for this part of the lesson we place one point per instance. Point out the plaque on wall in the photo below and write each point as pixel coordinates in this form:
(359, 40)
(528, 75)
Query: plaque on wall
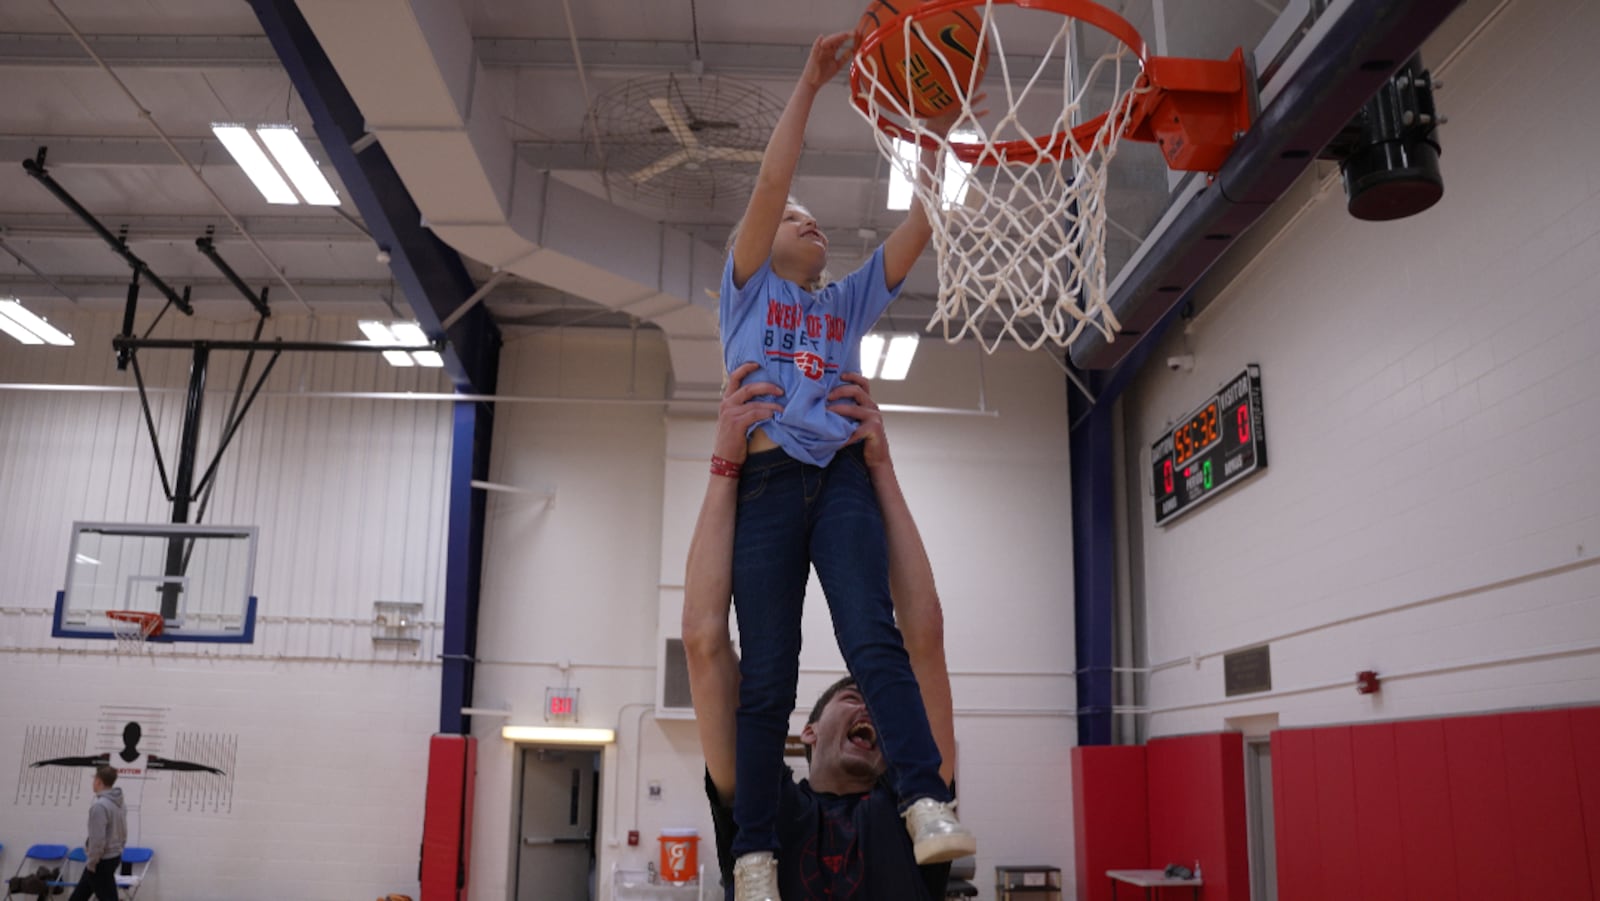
(1248, 671)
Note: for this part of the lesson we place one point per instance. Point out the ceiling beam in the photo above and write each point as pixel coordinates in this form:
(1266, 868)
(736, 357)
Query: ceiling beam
(160, 51)
(90, 289)
(433, 276)
(113, 151)
(814, 163)
(155, 228)
(254, 51)
(119, 151)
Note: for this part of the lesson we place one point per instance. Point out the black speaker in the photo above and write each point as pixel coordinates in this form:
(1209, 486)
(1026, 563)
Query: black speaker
(1389, 153)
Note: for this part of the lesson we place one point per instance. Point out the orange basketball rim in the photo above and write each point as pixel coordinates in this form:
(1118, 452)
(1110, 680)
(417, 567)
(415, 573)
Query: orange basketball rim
(1194, 109)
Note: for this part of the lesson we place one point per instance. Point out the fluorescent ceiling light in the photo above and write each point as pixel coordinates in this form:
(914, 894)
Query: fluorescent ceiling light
(871, 354)
(566, 735)
(376, 332)
(897, 362)
(22, 324)
(407, 334)
(290, 152)
(951, 187)
(247, 153)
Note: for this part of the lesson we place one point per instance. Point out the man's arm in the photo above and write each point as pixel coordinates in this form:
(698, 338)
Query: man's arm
(916, 598)
(708, 585)
(94, 847)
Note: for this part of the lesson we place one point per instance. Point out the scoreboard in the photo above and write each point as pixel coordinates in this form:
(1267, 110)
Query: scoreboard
(1221, 442)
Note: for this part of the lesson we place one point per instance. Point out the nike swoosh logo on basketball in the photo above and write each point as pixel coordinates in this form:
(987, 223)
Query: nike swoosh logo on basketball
(947, 37)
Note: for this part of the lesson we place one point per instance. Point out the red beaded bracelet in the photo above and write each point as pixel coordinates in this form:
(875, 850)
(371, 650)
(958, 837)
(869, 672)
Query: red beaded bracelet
(721, 467)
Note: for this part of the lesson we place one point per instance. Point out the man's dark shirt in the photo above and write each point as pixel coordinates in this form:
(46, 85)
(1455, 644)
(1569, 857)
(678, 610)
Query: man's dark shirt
(836, 847)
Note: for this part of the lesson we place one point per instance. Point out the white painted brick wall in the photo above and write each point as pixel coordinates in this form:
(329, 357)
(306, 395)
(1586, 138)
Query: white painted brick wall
(1431, 411)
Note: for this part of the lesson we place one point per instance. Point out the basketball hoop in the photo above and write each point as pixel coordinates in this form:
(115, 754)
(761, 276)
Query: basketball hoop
(1023, 243)
(132, 627)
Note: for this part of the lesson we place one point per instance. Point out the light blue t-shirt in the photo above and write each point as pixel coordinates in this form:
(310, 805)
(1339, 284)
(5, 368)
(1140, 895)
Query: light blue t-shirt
(803, 341)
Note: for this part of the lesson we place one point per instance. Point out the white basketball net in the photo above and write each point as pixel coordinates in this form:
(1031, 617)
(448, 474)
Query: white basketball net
(131, 634)
(1023, 247)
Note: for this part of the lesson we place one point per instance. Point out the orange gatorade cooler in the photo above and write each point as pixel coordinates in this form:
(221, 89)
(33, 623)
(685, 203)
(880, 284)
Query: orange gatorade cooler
(680, 855)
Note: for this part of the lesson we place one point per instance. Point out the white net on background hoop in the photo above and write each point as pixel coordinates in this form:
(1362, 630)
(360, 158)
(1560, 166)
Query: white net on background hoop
(1020, 242)
(131, 632)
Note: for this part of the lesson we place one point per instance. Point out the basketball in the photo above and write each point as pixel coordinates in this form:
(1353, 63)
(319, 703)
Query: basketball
(935, 76)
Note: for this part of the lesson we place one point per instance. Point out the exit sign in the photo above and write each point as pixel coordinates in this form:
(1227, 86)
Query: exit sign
(561, 705)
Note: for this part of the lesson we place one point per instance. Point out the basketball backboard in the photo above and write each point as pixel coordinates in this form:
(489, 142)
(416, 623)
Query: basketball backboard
(200, 580)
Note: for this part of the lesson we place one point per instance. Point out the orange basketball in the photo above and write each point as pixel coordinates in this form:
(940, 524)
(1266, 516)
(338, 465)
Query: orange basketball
(925, 72)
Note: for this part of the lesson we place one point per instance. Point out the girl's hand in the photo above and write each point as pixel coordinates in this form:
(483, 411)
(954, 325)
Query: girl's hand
(738, 413)
(829, 53)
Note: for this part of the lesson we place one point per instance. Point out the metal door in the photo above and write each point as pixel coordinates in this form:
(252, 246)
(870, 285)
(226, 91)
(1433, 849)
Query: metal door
(555, 841)
(1258, 797)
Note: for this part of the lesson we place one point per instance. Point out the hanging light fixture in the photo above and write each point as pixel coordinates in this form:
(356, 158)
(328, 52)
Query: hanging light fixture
(294, 160)
(27, 327)
(887, 357)
(408, 334)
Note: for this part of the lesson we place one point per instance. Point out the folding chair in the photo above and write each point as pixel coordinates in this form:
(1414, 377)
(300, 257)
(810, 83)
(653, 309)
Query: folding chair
(71, 871)
(135, 862)
(130, 873)
(37, 856)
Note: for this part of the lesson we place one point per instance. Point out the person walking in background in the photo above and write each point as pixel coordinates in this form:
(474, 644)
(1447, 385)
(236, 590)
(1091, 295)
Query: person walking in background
(108, 832)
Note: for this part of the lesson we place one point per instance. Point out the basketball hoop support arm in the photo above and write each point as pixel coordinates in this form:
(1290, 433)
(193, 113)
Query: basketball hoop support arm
(1194, 109)
(183, 490)
(36, 170)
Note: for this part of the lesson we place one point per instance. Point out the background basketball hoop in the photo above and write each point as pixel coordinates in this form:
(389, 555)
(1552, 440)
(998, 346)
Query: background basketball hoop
(1023, 247)
(131, 628)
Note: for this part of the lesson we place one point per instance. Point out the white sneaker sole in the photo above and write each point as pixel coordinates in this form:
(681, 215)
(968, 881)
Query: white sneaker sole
(944, 848)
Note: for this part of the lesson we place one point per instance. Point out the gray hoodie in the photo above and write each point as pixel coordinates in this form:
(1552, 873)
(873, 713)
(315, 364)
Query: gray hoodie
(108, 826)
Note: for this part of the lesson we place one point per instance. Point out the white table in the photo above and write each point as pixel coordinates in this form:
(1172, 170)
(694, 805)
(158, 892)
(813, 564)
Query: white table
(1150, 881)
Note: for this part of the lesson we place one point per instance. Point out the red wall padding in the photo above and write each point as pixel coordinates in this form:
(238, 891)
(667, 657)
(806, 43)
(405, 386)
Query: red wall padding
(1475, 758)
(1427, 844)
(1197, 810)
(1294, 815)
(1503, 806)
(1336, 814)
(1547, 829)
(1586, 753)
(1379, 834)
(447, 817)
(1109, 813)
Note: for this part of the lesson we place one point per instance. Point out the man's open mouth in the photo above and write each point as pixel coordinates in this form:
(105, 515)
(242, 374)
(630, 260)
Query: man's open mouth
(863, 736)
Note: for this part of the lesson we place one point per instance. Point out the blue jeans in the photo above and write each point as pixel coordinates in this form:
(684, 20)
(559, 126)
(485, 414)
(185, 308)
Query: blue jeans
(792, 515)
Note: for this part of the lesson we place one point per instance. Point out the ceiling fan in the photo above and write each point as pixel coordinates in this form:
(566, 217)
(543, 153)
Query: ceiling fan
(683, 138)
(690, 153)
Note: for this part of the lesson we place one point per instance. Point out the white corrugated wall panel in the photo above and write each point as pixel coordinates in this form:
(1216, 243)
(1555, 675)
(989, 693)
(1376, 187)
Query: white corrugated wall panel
(349, 494)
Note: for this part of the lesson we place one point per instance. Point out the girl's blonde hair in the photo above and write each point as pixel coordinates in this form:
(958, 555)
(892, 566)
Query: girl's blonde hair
(823, 279)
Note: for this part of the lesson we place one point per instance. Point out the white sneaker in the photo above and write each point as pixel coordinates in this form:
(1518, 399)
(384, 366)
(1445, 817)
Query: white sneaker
(936, 834)
(755, 877)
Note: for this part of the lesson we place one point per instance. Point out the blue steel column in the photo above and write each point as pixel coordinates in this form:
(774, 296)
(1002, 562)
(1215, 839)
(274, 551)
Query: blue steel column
(436, 283)
(1091, 446)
